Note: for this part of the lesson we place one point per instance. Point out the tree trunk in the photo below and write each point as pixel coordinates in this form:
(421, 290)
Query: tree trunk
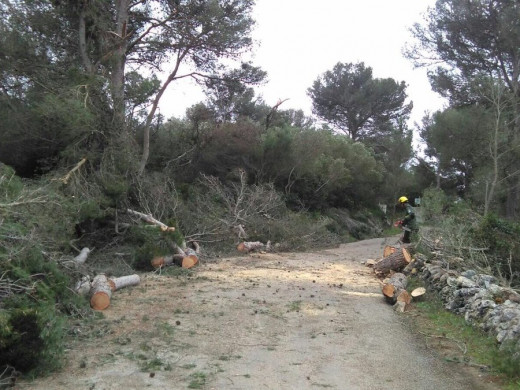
(394, 289)
(394, 262)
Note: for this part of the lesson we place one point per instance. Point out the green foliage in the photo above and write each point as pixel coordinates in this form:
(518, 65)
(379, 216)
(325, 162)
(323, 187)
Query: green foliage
(502, 238)
(350, 98)
(433, 205)
(35, 295)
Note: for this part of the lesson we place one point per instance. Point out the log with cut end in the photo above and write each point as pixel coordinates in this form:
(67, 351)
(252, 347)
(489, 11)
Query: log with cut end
(394, 286)
(102, 287)
(393, 262)
(249, 246)
(185, 258)
(124, 281)
(100, 293)
(82, 257)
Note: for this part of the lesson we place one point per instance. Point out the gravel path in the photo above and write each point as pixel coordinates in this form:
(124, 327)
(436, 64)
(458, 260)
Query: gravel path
(268, 321)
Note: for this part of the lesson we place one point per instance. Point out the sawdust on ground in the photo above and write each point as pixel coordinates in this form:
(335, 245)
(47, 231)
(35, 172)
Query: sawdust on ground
(266, 321)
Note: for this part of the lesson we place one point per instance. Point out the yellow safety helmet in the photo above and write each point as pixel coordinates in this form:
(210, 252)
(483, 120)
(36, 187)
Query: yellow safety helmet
(403, 199)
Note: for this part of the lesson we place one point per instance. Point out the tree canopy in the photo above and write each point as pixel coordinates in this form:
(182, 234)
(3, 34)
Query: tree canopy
(355, 102)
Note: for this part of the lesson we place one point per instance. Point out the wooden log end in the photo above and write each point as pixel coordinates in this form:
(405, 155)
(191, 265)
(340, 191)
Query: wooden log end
(407, 255)
(158, 262)
(418, 293)
(388, 250)
(189, 261)
(388, 290)
(100, 301)
(241, 247)
(405, 297)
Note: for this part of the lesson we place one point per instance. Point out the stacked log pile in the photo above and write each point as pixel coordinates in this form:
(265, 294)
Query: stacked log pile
(475, 295)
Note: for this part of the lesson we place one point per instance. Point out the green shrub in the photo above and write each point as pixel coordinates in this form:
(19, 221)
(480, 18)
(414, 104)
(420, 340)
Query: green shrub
(502, 238)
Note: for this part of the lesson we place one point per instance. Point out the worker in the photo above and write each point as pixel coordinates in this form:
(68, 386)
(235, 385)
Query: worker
(408, 223)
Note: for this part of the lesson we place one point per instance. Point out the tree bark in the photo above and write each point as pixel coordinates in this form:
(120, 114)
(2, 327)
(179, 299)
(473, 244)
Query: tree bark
(100, 293)
(82, 257)
(394, 289)
(393, 262)
(249, 246)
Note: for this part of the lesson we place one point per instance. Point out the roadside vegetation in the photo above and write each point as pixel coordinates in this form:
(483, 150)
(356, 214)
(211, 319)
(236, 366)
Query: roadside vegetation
(83, 141)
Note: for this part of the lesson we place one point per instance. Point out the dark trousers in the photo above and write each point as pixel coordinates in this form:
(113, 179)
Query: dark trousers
(407, 236)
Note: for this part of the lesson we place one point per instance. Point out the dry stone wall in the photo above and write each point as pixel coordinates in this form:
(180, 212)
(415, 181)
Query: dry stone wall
(479, 298)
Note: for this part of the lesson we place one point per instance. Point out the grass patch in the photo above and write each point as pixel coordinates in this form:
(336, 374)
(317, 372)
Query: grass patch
(459, 342)
(197, 380)
(294, 306)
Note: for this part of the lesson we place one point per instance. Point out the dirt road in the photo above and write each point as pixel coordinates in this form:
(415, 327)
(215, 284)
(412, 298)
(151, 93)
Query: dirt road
(268, 321)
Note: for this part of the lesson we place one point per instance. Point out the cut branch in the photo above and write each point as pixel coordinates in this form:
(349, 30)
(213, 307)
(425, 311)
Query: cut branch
(148, 218)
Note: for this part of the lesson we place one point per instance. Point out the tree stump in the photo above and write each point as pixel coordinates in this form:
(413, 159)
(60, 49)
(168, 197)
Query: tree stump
(393, 262)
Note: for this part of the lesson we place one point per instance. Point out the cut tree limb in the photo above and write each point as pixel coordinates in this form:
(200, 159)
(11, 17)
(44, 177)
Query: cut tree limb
(148, 218)
(101, 288)
(100, 293)
(393, 262)
(124, 281)
(65, 179)
(82, 257)
(249, 246)
(185, 258)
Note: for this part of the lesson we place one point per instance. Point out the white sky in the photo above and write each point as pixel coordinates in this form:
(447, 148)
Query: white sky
(300, 40)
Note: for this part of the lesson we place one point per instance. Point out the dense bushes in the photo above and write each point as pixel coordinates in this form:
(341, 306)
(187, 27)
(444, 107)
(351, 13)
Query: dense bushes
(487, 242)
(34, 290)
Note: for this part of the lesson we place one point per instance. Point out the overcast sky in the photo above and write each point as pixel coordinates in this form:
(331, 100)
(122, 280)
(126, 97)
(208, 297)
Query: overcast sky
(297, 41)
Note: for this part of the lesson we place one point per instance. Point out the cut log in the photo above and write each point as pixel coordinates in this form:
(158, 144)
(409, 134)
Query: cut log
(100, 293)
(393, 262)
(124, 281)
(404, 296)
(389, 250)
(394, 286)
(246, 247)
(82, 257)
(418, 293)
(186, 258)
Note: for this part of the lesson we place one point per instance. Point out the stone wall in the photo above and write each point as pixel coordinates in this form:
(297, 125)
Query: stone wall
(478, 297)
